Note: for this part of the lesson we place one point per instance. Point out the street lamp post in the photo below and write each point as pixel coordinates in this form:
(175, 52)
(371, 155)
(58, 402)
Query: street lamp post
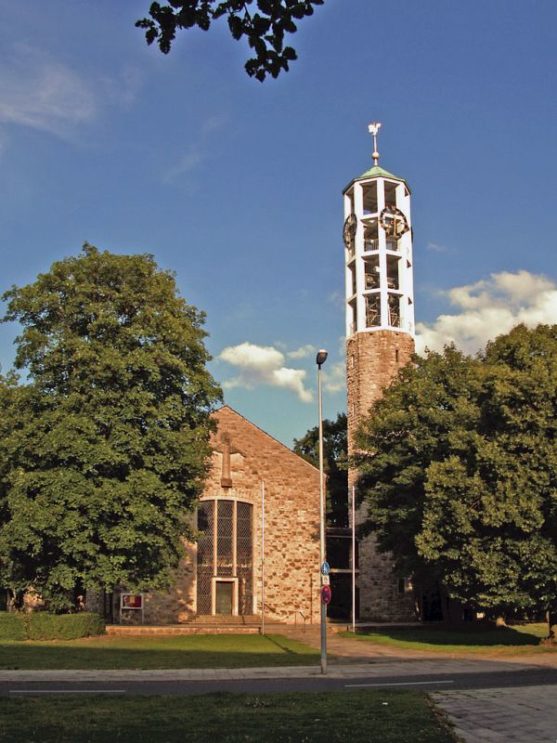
(320, 360)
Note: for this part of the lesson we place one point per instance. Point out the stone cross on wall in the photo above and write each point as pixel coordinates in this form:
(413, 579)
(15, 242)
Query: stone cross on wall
(226, 450)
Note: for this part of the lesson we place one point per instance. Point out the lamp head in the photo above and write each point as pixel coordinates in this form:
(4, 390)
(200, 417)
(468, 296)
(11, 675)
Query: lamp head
(321, 357)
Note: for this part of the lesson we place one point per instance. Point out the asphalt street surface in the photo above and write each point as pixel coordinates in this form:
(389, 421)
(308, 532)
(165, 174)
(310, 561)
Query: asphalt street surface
(149, 686)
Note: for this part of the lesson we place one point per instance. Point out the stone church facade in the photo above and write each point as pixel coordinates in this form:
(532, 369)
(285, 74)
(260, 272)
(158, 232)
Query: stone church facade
(258, 527)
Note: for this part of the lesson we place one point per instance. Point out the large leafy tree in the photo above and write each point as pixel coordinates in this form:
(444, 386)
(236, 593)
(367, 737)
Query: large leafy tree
(262, 23)
(459, 468)
(335, 464)
(104, 447)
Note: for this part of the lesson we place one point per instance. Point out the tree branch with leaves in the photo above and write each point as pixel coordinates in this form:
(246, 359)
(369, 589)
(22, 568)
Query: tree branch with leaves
(262, 23)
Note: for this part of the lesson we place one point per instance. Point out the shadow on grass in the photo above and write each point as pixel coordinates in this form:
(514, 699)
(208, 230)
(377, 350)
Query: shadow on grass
(463, 637)
(157, 653)
(281, 643)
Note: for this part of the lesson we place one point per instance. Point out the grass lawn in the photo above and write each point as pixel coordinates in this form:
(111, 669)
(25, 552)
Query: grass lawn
(384, 717)
(186, 651)
(515, 640)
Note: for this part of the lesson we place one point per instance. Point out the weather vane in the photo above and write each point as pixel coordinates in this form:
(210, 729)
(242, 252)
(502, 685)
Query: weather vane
(373, 129)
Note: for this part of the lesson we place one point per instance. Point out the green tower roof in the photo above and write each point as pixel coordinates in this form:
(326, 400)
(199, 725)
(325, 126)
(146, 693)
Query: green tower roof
(376, 172)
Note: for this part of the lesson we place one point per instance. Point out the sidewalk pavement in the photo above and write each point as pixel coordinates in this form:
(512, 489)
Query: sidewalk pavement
(517, 715)
(381, 668)
(347, 649)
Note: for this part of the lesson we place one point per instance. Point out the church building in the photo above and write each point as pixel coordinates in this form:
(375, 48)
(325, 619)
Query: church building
(258, 520)
(258, 545)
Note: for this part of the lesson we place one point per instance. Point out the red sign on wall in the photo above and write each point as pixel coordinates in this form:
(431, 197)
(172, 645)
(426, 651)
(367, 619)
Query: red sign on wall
(132, 601)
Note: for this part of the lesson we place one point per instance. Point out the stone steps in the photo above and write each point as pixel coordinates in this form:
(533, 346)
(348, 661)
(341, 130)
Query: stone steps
(217, 624)
(180, 629)
(227, 619)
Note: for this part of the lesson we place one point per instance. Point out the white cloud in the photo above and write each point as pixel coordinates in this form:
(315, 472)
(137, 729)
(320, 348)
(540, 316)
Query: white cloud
(39, 92)
(334, 377)
(303, 352)
(490, 307)
(263, 365)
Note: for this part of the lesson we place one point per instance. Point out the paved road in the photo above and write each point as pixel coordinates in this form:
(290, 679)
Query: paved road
(426, 674)
(488, 700)
(267, 686)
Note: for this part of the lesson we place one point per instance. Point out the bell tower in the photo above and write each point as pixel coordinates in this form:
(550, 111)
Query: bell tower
(379, 339)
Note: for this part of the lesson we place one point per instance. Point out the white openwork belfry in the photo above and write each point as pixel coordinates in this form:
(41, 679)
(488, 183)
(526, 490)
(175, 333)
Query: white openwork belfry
(377, 237)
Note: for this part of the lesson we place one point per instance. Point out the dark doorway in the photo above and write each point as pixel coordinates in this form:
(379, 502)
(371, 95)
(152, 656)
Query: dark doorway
(341, 602)
(223, 597)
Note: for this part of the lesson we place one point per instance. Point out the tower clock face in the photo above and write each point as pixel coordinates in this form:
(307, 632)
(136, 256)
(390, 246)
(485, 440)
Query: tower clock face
(393, 221)
(349, 230)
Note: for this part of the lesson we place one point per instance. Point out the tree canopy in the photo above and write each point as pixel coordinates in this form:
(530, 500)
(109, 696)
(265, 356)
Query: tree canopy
(334, 462)
(458, 467)
(263, 23)
(104, 447)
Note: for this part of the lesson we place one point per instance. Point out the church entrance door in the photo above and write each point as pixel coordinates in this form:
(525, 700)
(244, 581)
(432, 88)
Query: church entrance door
(224, 596)
(225, 570)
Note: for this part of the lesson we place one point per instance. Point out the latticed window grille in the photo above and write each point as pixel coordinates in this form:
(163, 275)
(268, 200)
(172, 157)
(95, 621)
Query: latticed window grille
(244, 557)
(225, 547)
(205, 555)
(225, 550)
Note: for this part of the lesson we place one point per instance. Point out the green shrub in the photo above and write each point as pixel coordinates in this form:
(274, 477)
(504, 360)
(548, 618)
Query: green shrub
(39, 625)
(43, 626)
(12, 626)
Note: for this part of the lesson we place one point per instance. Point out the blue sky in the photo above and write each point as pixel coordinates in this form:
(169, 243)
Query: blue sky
(236, 185)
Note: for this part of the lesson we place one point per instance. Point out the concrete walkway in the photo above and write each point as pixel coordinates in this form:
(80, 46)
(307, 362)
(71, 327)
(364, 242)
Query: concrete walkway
(377, 670)
(518, 715)
(349, 650)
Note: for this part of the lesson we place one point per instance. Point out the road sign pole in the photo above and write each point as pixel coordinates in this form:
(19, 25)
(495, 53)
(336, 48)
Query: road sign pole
(320, 360)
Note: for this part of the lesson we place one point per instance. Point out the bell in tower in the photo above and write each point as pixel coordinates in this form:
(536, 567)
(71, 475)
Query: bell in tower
(379, 339)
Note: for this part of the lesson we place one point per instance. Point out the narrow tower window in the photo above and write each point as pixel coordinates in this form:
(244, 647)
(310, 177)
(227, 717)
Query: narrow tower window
(371, 237)
(392, 273)
(369, 193)
(373, 310)
(394, 311)
(371, 272)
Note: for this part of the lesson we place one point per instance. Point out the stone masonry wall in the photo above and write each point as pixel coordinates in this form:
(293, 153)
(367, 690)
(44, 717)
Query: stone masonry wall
(243, 457)
(372, 362)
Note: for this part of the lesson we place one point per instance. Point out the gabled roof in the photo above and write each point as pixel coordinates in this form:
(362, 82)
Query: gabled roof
(226, 409)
